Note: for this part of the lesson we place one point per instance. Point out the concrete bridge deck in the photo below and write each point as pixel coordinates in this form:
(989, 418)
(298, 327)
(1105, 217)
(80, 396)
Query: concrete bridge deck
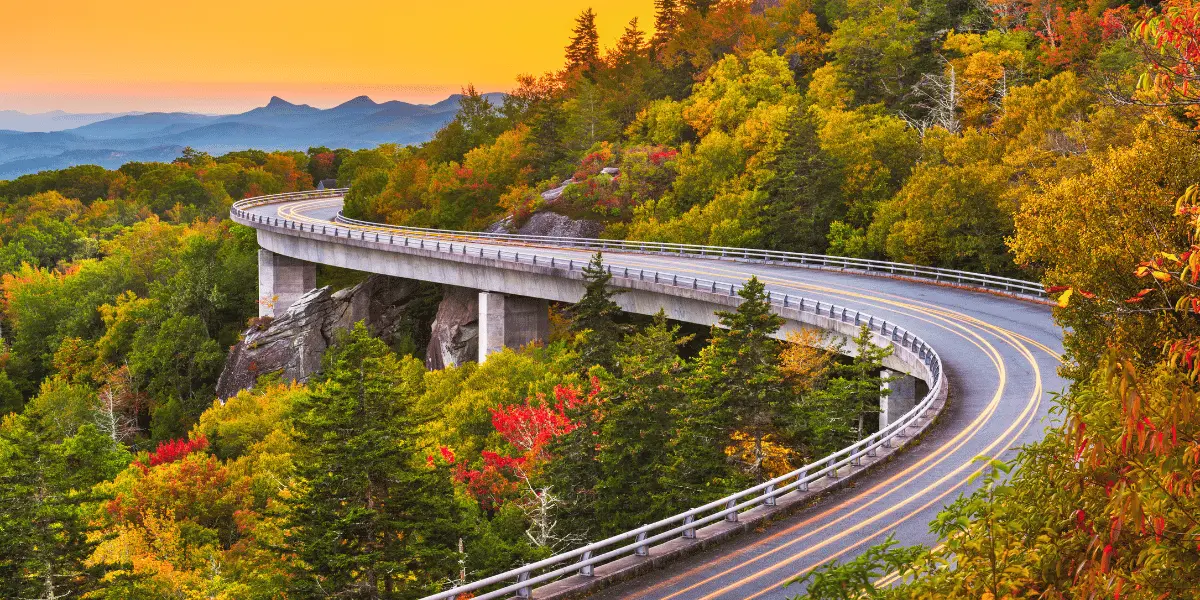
(999, 354)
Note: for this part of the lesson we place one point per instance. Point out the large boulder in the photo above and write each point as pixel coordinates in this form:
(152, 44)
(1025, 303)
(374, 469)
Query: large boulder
(455, 336)
(549, 224)
(556, 225)
(294, 343)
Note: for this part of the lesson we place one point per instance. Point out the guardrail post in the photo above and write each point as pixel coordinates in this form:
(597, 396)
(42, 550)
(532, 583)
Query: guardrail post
(769, 495)
(803, 484)
(733, 516)
(526, 591)
(586, 570)
(642, 550)
(690, 532)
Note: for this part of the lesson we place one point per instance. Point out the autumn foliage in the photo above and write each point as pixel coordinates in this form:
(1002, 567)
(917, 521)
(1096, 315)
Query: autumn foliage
(173, 450)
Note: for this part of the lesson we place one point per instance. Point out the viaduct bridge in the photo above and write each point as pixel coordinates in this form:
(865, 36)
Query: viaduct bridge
(979, 353)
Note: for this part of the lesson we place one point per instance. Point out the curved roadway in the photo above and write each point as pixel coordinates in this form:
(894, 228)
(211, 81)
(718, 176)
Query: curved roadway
(1001, 357)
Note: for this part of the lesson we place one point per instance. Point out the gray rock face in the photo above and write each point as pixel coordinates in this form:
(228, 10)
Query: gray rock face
(294, 343)
(553, 194)
(504, 225)
(551, 224)
(556, 225)
(455, 338)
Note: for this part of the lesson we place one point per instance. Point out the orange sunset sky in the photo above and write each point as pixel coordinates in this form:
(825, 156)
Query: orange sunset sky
(221, 56)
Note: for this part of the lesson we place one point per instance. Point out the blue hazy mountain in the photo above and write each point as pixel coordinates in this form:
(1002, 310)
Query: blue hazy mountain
(279, 125)
(55, 120)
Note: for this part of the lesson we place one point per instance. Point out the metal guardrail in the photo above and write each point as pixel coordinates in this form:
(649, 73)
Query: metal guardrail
(583, 560)
(879, 267)
(936, 274)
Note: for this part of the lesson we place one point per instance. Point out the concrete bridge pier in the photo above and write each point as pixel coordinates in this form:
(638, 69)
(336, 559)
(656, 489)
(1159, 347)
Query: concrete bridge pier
(896, 397)
(281, 281)
(510, 321)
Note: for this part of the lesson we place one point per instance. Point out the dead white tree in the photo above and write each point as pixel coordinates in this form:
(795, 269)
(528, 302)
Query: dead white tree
(1004, 14)
(540, 507)
(114, 412)
(937, 99)
(110, 417)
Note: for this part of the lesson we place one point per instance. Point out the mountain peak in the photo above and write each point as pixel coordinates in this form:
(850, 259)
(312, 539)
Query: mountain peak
(277, 102)
(361, 103)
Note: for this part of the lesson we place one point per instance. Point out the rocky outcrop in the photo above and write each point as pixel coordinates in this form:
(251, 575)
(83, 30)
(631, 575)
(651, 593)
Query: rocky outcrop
(455, 337)
(555, 193)
(551, 224)
(294, 343)
(556, 225)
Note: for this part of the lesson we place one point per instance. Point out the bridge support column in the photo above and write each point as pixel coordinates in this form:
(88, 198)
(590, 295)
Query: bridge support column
(897, 396)
(281, 280)
(510, 321)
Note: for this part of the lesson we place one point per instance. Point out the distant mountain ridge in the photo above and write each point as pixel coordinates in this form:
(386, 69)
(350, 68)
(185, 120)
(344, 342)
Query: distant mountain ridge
(55, 120)
(279, 125)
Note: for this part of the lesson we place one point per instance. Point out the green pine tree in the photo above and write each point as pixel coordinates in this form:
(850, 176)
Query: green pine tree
(737, 387)
(595, 316)
(583, 53)
(864, 375)
(805, 194)
(371, 519)
(666, 20)
(46, 498)
(640, 404)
